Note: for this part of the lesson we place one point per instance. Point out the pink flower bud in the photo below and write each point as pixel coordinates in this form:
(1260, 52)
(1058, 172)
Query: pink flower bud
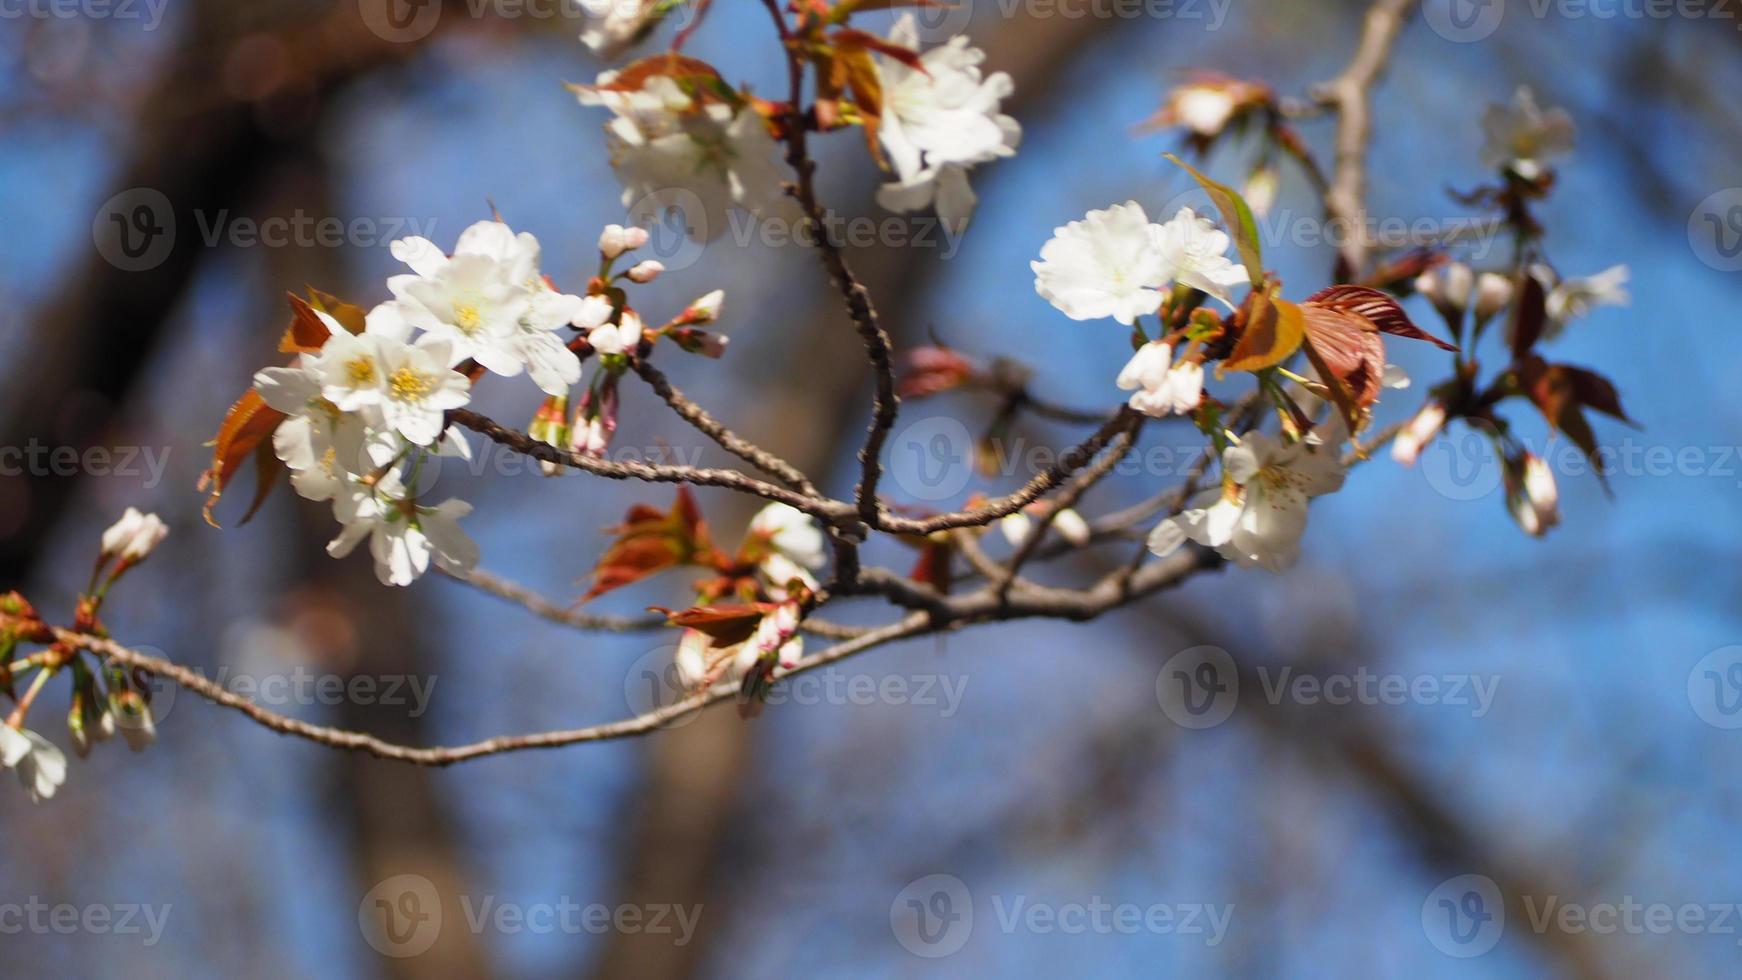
(612, 242)
(1418, 432)
(646, 271)
(705, 309)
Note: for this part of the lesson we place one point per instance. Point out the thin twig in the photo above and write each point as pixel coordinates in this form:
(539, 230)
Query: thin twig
(1073, 460)
(1350, 95)
(829, 511)
(728, 440)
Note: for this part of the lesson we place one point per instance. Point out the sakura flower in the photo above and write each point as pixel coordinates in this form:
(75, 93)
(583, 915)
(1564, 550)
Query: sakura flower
(1448, 287)
(704, 309)
(1207, 104)
(1420, 430)
(1162, 388)
(616, 239)
(490, 302)
(1258, 517)
(621, 337)
(791, 533)
(1194, 252)
(1523, 137)
(41, 767)
(131, 715)
(417, 389)
(403, 536)
(134, 536)
(1069, 525)
(614, 25)
(1493, 294)
(1110, 263)
(1575, 298)
(662, 140)
(319, 444)
(1531, 494)
(939, 122)
(1203, 109)
(645, 271)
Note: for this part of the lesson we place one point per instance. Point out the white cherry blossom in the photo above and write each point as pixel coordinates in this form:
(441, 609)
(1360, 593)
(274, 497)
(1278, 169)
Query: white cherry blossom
(1572, 299)
(41, 767)
(1162, 388)
(417, 388)
(1523, 136)
(134, 536)
(939, 122)
(1110, 264)
(792, 533)
(403, 536)
(662, 143)
(1258, 517)
(1194, 253)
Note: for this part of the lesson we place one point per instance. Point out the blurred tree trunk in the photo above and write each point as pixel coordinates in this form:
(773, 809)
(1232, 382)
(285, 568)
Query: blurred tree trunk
(201, 143)
(394, 816)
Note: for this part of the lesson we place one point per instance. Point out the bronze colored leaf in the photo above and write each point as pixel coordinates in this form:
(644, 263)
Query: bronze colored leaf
(1274, 330)
(247, 427)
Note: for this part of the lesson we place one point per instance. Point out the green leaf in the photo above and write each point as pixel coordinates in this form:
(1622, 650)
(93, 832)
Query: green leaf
(1237, 215)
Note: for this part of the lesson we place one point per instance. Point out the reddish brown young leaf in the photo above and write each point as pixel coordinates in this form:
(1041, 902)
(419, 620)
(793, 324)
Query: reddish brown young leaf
(932, 370)
(1377, 308)
(650, 541)
(1273, 330)
(247, 427)
(727, 624)
(1595, 391)
(1350, 347)
(1552, 389)
(1529, 315)
(307, 334)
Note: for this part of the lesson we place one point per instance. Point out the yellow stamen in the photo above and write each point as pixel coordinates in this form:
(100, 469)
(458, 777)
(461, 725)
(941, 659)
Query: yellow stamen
(467, 317)
(408, 386)
(361, 371)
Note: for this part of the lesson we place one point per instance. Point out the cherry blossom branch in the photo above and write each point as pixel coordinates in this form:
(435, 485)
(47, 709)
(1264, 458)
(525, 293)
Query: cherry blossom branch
(728, 440)
(1350, 95)
(1074, 459)
(885, 404)
(831, 512)
(446, 756)
(549, 609)
(1072, 492)
(1023, 600)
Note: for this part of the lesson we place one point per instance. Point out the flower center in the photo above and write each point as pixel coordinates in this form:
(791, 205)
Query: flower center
(408, 386)
(467, 316)
(1278, 479)
(361, 371)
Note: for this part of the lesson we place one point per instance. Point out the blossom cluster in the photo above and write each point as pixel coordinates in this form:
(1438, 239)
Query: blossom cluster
(365, 404)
